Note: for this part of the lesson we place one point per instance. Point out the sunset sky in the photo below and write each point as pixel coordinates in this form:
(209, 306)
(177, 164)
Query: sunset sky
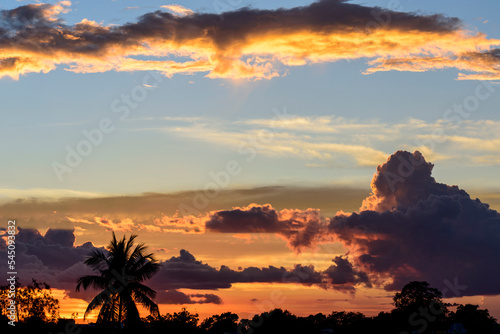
(240, 140)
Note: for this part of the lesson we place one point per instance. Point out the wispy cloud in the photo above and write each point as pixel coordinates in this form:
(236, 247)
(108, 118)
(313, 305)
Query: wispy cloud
(326, 140)
(44, 193)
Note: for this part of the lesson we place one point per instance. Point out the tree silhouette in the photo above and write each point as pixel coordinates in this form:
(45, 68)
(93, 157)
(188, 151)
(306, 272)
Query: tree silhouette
(416, 294)
(475, 320)
(120, 272)
(224, 323)
(34, 302)
(420, 307)
(180, 322)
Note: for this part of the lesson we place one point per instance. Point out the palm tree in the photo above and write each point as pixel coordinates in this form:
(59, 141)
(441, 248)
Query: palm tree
(120, 272)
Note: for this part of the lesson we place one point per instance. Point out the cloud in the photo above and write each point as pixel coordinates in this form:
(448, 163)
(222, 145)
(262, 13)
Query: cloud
(55, 250)
(274, 142)
(185, 272)
(300, 227)
(410, 228)
(344, 276)
(45, 193)
(52, 258)
(178, 9)
(413, 227)
(486, 64)
(335, 141)
(178, 297)
(158, 210)
(35, 39)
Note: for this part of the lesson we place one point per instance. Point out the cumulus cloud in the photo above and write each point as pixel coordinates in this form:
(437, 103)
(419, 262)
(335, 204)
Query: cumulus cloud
(344, 276)
(52, 258)
(410, 228)
(413, 227)
(246, 43)
(301, 228)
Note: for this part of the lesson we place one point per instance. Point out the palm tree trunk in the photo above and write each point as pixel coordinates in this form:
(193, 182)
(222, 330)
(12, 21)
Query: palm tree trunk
(119, 311)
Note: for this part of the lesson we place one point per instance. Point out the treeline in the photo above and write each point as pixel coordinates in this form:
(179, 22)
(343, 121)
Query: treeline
(418, 308)
(466, 319)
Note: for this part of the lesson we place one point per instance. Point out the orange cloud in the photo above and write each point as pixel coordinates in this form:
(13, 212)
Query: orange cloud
(125, 225)
(236, 47)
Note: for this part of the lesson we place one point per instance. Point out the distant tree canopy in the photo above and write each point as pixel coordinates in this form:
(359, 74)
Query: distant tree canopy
(420, 307)
(224, 323)
(417, 294)
(38, 312)
(476, 321)
(179, 322)
(33, 302)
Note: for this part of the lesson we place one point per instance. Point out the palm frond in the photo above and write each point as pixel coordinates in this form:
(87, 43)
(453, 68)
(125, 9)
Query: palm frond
(131, 312)
(96, 259)
(94, 281)
(148, 270)
(119, 295)
(146, 302)
(146, 290)
(97, 302)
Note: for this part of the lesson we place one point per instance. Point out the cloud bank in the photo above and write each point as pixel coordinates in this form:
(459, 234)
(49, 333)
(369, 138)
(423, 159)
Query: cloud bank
(410, 228)
(246, 43)
(53, 258)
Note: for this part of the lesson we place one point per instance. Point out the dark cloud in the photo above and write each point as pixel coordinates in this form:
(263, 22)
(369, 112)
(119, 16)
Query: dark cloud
(410, 228)
(403, 181)
(55, 250)
(255, 219)
(300, 227)
(344, 276)
(246, 43)
(177, 297)
(42, 213)
(185, 272)
(52, 258)
(418, 229)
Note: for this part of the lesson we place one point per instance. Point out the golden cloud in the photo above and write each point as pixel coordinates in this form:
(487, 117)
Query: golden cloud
(250, 44)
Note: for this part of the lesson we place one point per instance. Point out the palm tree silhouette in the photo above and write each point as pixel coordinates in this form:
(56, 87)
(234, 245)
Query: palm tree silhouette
(120, 272)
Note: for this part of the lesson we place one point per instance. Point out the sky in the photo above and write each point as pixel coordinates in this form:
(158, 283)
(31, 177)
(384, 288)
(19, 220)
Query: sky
(352, 146)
